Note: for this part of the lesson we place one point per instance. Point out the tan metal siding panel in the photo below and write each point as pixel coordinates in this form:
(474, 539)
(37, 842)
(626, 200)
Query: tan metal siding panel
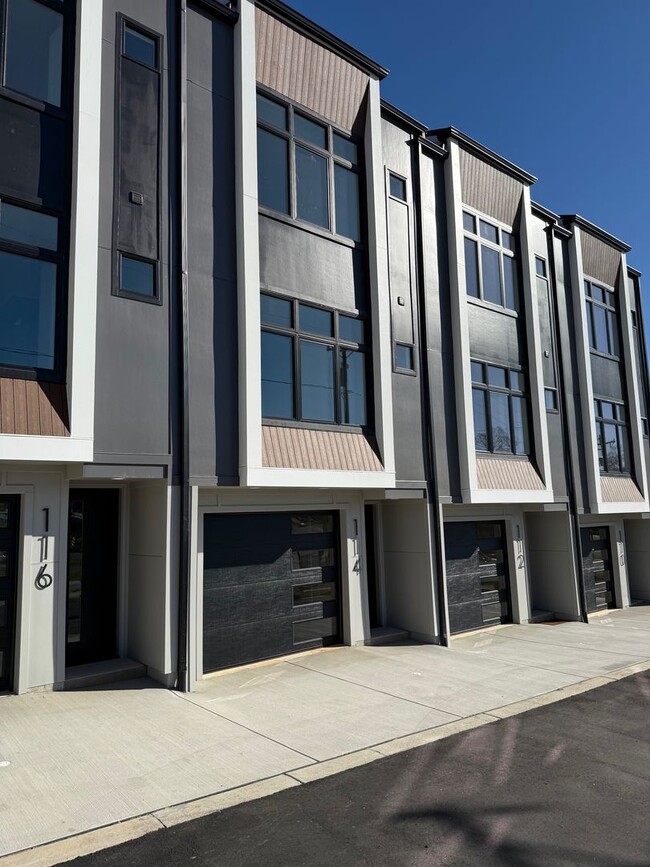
(502, 474)
(33, 408)
(308, 74)
(297, 448)
(619, 490)
(488, 190)
(599, 260)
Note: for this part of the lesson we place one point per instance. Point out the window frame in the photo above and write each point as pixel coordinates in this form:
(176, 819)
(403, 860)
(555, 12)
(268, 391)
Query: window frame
(406, 371)
(499, 248)
(600, 420)
(333, 160)
(124, 21)
(590, 304)
(297, 335)
(487, 388)
(67, 10)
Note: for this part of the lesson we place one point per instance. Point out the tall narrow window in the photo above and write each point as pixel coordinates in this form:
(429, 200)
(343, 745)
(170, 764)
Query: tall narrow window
(612, 437)
(602, 318)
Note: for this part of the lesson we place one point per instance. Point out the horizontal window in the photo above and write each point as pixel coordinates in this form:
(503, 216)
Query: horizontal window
(25, 226)
(308, 594)
(306, 169)
(311, 630)
(34, 50)
(491, 265)
(316, 559)
(313, 363)
(310, 523)
(137, 277)
(500, 409)
(140, 47)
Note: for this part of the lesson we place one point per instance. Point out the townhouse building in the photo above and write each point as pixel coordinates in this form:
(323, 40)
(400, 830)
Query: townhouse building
(282, 367)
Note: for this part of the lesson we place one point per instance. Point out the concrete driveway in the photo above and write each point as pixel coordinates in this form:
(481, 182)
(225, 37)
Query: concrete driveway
(74, 761)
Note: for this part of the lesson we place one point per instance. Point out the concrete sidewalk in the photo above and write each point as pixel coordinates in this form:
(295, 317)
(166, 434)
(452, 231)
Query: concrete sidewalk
(75, 761)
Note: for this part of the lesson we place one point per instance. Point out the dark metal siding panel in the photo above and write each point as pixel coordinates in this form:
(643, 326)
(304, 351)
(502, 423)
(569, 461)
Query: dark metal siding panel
(488, 190)
(400, 274)
(212, 286)
(309, 74)
(304, 264)
(495, 336)
(599, 260)
(606, 377)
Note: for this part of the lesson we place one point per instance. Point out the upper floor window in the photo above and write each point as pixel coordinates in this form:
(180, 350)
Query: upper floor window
(307, 169)
(500, 409)
(490, 262)
(602, 318)
(33, 55)
(30, 282)
(313, 363)
(612, 437)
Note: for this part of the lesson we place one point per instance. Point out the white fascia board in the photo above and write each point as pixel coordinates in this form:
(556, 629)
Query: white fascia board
(620, 508)
(510, 497)
(82, 288)
(275, 477)
(248, 265)
(534, 344)
(379, 286)
(632, 379)
(21, 447)
(459, 321)
(584, 367)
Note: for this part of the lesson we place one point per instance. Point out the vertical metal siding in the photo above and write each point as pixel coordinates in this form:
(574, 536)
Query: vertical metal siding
(488, 190)
(307, 73)
(599, 260)
(298, 448)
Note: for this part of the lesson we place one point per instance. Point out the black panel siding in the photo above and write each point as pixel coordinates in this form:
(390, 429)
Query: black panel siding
(248, 582)
(496, 336)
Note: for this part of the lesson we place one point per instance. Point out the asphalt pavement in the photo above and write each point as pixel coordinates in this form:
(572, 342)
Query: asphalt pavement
(564, 784)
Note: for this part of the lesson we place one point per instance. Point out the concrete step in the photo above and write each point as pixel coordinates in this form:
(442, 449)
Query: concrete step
(98, 673)
(387, 635)
(540, 616)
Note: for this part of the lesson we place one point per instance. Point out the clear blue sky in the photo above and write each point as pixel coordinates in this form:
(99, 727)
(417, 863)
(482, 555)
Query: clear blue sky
(559, 87)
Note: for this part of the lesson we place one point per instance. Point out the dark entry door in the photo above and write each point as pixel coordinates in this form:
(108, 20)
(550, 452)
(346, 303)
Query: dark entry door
(93, 525)
(597, 568)
(9, 516)
(478, 587)
(371, 567)
(271, 586)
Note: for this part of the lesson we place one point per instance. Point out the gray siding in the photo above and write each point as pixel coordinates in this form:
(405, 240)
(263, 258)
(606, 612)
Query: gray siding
(212, 286)
(489, 190)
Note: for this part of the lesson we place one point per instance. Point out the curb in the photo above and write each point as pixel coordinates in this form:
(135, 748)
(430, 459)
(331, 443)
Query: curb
(86, 843)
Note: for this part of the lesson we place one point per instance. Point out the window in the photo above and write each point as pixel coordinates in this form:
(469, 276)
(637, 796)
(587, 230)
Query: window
(612, 437)
(33, 50)
(313, 363)
(306, 169)
(139, 47)
(550, 399)
(490, 262)
(397, 187)
(500, 409)
(404, 357)
(30, 280)
(602, 318)
(137, 277)
(644, 427)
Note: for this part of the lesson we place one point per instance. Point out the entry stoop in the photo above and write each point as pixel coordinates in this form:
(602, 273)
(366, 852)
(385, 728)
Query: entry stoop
(539, 616)
(387, 635)
(98, 673)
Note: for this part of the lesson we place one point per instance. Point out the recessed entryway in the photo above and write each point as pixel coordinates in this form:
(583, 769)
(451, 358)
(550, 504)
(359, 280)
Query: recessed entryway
(93, 556)
(9, 520)
(271, 586)
(478, 588)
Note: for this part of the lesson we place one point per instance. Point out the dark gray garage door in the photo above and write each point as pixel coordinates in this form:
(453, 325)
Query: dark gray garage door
(271, 586)
(477, 574)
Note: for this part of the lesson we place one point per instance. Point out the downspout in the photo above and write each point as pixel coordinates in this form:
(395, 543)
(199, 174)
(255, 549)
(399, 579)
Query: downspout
(183, 353)
(430, 460)
(569, 465)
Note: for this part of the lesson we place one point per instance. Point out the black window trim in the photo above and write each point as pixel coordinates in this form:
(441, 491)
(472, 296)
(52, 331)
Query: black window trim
(511, 392)
(600, 420)
(502, 251)
(405, 371)
(157, 299)
(297, 335)
(333, 159)
(590, 303)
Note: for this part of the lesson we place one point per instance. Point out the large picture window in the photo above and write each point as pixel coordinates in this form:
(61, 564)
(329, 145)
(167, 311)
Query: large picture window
(313, 363)
(29, 287)
(500, 409)
(33, 56)
(306, 169)
(490, 262)
(612, 436)
(602, 318)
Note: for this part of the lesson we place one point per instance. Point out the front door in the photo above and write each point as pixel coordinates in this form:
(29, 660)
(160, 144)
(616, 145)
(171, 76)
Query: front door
(597, 568)
(9, 517)
(93, 525)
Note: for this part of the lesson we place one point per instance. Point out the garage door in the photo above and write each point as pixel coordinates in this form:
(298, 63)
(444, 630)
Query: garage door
(477, 574)
(597, 568)
(271, 586)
